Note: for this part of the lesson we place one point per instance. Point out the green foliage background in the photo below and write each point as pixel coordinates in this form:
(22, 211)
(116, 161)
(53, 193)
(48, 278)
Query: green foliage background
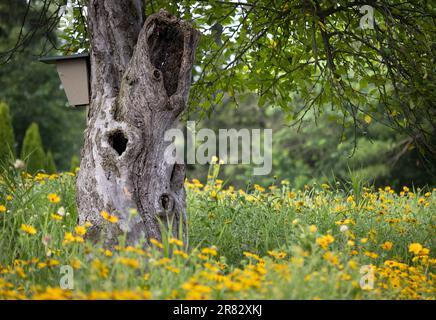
(50, 164)
(32, 89)
(33, 152)
(7, 140)
(318, 151)
(266, 64)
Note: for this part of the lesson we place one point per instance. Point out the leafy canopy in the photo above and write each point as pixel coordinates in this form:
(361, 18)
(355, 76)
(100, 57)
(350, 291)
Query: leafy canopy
(368, 60)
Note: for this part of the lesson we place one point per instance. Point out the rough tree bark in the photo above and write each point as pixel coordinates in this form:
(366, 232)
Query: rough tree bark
(140, 78)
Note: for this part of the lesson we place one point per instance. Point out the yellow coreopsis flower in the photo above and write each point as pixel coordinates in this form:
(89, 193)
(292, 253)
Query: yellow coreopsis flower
(132, 263)
(69, 237)
(181, 254)
(177, 242)
(324, 241)
(55, 216)
(156, 243)
(313, 228)
(80, 230)
(2, 208)
(353, 264)
(28, 229)
(251, 255)
(415, 248)
(277, 255)
(330, 257)
(291, 195)
(424, 252)
(53, 198)
(108, 253)
(259, 188)
(101, 269)
(52, 263)
(109, 217)
(172, 269)
(76, 264)
(370, 254)
(209, 251)
(387, 245)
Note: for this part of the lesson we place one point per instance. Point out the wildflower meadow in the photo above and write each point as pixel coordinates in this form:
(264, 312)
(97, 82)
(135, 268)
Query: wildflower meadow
(244, 153)
(321, 242)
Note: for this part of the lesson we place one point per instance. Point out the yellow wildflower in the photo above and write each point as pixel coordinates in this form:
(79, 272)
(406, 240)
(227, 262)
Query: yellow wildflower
(353, 264)
(69, 238)
(80, 230)
(387, 245)
(177, 242)
(172, 269)
(75, 263)
(330, 257)
(259, 188)
(28, 229)
(370, 254)
(324, 241)
(277, 255)
(415, 248)
(210, 251)
(53, 198)
(57, 217)
(107, 253)
(291, 195)
(313, 228)
(132, 263)
(181, 254)
(156, 243)
(108, 217)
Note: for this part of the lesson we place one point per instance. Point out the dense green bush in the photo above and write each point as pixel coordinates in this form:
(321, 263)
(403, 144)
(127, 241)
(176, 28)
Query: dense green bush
(7, 141)
(50, 165)
(32, 152)
(75, 163)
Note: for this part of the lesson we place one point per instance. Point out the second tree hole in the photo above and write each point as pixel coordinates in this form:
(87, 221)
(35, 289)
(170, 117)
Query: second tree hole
(166, 202)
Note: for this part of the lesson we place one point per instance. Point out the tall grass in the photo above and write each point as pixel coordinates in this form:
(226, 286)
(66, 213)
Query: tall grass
(269, 242)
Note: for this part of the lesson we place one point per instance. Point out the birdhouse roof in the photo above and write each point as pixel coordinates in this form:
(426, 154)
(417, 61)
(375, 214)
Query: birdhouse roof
(54, 59)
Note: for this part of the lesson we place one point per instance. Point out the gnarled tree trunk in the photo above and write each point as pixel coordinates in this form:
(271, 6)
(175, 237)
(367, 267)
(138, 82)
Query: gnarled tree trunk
(140, 78)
